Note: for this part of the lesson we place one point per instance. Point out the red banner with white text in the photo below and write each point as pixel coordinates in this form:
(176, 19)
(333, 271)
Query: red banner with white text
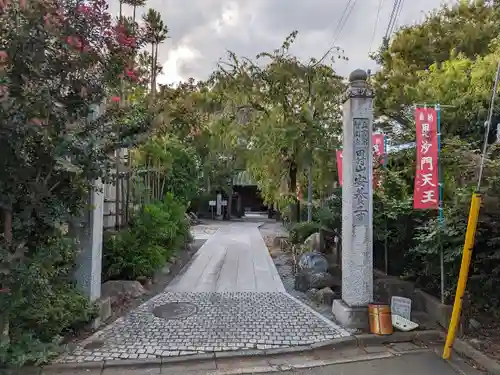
(426, 193)
(339, 165)
(379, 154)
(378, 158)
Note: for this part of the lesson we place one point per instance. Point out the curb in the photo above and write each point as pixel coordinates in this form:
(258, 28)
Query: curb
(467, 350)
(361, 340)
(366, 339)
(306, 365)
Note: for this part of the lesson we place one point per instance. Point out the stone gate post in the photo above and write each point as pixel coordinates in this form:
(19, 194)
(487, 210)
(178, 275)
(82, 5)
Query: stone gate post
(357, 204)
(90, 233)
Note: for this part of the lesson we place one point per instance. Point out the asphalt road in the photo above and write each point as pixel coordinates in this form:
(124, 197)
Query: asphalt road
(427, 363)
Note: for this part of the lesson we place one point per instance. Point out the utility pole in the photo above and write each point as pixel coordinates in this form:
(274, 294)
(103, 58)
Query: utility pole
(309, 169)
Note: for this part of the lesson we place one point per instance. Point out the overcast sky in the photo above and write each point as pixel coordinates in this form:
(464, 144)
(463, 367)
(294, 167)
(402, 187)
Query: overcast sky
(202, 30)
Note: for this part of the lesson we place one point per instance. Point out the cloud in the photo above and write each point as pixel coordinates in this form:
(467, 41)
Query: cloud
(201, 31)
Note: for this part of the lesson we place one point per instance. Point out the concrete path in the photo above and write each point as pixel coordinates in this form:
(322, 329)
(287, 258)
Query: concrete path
(229, 297)
(234, 259)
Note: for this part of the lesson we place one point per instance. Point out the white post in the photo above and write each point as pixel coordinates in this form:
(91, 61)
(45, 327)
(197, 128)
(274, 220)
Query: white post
(357, 205)
(219, 204)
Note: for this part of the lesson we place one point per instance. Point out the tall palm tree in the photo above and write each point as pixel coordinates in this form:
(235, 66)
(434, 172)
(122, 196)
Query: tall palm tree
(156, 33)
(134, 4)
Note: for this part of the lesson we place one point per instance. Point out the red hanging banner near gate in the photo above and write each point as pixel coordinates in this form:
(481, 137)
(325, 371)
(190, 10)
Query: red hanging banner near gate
(378, 157)
(339, 165)
(426, 193)
(379, 153)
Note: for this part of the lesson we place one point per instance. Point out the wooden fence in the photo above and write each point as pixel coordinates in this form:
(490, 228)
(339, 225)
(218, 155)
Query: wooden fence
(136, 187)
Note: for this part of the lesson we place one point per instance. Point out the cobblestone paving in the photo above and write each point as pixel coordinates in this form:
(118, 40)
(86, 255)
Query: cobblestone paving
(218, 322)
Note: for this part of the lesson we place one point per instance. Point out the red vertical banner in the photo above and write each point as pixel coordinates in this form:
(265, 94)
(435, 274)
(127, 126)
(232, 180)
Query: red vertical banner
(378, 157)
(299, 193)
(339, 165)
(426, 193)
(379, 153)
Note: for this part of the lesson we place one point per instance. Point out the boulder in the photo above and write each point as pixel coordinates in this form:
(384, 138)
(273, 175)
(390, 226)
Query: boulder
(311, 293)
(305, 281)
(313, 242)
(320, 280)
(313, 262)
(119, 289)
(325, 296)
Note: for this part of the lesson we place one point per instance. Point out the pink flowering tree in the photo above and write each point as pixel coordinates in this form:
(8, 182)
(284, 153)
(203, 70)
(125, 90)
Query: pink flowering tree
(58, 59)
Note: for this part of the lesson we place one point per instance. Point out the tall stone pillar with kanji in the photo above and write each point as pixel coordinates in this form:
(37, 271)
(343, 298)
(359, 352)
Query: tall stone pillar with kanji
(357, 204)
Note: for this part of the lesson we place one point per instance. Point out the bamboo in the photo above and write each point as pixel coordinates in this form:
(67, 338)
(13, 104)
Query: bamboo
(123, 201)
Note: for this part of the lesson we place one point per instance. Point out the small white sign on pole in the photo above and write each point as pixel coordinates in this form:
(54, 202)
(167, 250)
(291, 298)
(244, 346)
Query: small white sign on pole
(211, 203)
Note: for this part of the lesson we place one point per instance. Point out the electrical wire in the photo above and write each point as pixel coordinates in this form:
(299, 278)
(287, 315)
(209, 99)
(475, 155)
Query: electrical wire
(396, 17)
(390, 24)
(488, 126)
(345, 20)
(377, 17)
(336, 31)
(342, 21)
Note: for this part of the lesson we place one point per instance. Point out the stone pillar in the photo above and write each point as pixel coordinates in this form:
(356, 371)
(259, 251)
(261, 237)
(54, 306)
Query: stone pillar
(357, 205)
(88, 274)
(90, 233)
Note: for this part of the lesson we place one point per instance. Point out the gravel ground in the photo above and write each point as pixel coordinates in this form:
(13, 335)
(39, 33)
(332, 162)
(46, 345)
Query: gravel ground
(284, 264)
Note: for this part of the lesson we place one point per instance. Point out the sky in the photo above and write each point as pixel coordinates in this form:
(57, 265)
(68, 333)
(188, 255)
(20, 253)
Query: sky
(202, 31)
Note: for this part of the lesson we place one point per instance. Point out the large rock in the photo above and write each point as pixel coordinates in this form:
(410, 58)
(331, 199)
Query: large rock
(313, 242)
(305, 281)
(117, 290)
(325, 296)
(320, 280)
(313, 262)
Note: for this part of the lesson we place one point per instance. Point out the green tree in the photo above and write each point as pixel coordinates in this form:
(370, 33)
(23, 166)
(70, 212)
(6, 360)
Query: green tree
(156, 33)
(291, 117)
(459, 32)
(135, 4)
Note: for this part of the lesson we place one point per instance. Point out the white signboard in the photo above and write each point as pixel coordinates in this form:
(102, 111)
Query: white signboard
(211, 203)
(401, 306)
(218, 204)
(224, 203)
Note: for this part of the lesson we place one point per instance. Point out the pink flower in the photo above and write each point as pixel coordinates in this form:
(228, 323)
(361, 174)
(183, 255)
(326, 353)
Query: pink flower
(36, 121)
(74, 41)
(3, 57)
(3, 4)
(115, 99)
(83, 92)
(4, 92)
(83, 9)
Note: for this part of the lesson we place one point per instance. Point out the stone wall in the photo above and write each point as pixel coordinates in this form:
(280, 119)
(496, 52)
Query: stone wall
(385, 286)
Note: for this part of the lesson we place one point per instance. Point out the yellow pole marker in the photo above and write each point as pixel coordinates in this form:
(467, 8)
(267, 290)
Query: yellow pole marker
(470, 235)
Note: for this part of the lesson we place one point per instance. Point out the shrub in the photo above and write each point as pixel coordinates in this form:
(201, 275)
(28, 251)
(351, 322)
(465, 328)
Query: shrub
(300, 231)
(155, 233)
(43, 302)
